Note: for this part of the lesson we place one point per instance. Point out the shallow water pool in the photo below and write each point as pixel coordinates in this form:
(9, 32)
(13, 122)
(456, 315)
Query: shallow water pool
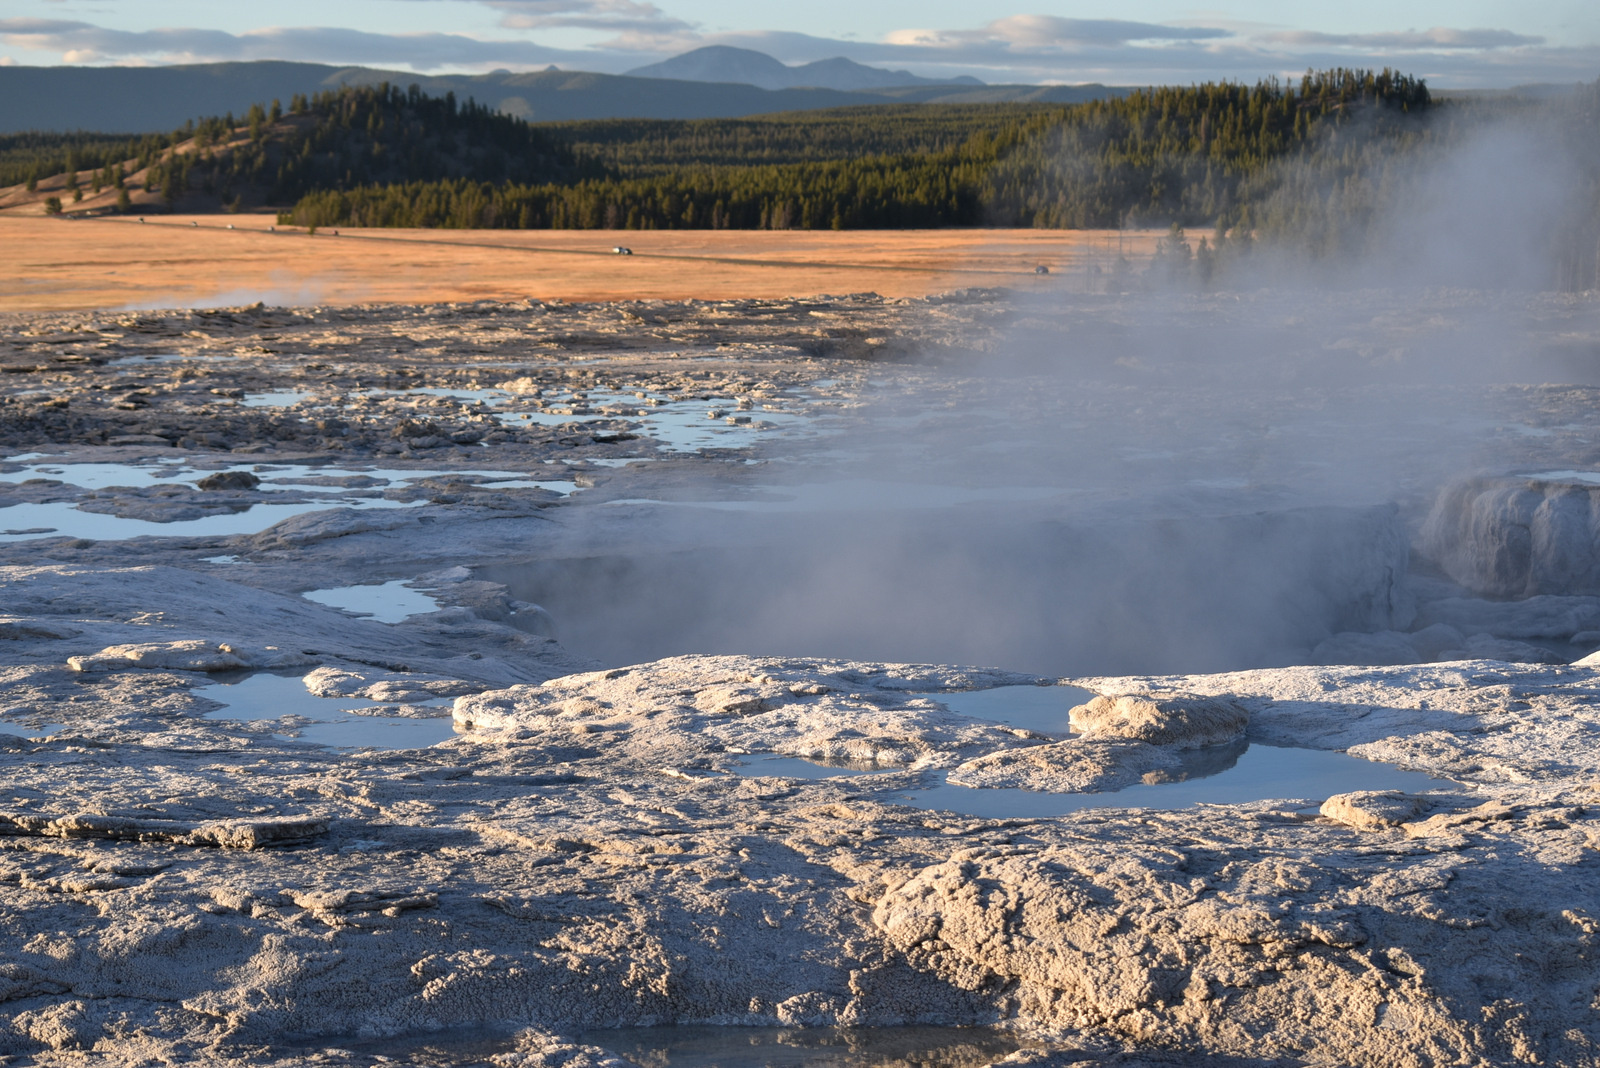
(389, 602)
(274, 398)
(331, 487)
(335, 722)
(152, 357)
(62, 519)
(1042, 709)
(19, 730)
(1255, 773)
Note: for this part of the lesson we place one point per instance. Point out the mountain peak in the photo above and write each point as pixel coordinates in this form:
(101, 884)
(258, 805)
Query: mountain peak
(725, 63)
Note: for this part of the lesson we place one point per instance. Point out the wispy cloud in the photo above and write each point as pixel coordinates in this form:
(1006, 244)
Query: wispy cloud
(1440, 37)
(1047, 33)
(617, 15)
(82, 42)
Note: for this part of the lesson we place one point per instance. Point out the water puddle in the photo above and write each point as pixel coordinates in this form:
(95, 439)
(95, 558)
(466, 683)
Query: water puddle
(796, 1047)
(333, 721)
(150, 357)
(1256, 773)
(63, 520)
(274, 398)
(306, 478)
(1042, 709)
(19, 730)
(676, 425)
(103, 476)
(390, 602)
(330, 487)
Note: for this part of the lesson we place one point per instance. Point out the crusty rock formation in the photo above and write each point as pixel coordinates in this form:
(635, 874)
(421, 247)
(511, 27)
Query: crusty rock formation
(594, 850)
(1517, 537)
(1182, 720)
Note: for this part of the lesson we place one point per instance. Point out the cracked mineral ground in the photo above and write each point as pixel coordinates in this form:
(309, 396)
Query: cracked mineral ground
(966, 680)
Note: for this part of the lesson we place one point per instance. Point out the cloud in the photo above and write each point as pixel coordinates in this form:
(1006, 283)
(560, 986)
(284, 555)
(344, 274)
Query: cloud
(619, 15)
(1440, 37)
(82, 42)
(1034, 33)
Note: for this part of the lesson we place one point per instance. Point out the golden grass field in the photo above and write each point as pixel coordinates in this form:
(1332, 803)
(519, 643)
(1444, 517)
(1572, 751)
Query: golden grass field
(60, 264)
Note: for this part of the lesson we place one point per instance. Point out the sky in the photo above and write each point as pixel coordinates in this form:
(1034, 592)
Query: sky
(1460, 44)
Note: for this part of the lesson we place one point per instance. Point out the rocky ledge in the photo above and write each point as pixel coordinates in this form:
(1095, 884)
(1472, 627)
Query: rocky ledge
(596, 850)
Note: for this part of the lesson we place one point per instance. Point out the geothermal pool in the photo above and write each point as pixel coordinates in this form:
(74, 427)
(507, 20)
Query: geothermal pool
(282, 705)
(748, 551)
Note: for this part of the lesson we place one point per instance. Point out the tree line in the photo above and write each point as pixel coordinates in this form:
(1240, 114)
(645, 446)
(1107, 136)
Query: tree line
(380, 155)
(337, 139)
(1191, 155)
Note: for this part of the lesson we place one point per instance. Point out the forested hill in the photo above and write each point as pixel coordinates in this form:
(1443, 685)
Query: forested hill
(1203, 154)
(1222, 154)
(272, 155)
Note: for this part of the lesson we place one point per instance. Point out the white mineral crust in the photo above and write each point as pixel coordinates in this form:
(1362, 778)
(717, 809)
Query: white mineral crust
(602, 846)
(187, 899)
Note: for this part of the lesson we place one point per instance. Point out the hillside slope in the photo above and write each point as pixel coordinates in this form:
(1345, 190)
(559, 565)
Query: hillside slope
(337, 139)
(123, 100)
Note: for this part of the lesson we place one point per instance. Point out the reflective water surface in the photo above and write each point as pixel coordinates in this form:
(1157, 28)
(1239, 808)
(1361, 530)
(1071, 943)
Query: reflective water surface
(333, 721)
(389, 602)
(328, 486)
(1252, 773)
(1042, 709)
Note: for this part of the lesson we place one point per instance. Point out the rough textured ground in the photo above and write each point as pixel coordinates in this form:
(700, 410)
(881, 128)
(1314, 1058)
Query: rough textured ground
(591, 848)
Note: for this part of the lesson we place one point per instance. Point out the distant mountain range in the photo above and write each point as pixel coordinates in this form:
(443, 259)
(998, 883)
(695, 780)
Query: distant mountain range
(149, 99)
(745, 66)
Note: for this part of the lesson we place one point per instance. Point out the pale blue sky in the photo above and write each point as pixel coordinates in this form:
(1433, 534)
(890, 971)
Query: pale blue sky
(1468, 43)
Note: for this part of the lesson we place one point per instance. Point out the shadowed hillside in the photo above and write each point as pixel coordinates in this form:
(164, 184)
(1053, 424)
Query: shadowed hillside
(274, 156)
(124, 100)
